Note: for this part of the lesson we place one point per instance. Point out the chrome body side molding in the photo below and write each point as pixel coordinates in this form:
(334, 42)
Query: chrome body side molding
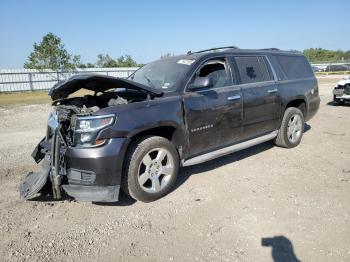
(228, 150)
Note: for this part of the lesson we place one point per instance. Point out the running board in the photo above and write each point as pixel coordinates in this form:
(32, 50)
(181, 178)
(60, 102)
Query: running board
(228, 150)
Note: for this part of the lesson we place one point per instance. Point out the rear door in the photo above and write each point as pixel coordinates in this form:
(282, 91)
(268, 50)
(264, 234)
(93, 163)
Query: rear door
(261, 97)
(213, 115)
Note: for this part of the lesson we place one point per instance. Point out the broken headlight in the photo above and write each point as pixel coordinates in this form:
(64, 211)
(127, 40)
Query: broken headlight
(86, 129)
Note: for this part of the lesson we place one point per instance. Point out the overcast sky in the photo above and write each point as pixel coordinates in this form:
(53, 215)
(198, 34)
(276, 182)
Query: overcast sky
(147, 29)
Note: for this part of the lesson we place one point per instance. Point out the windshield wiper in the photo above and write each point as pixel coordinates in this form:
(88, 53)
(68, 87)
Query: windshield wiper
(149, 81)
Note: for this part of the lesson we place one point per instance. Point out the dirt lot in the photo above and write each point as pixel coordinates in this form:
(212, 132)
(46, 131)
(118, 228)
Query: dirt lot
(219, 211)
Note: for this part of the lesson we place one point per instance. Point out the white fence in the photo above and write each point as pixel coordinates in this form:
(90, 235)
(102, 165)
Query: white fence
(14, 80)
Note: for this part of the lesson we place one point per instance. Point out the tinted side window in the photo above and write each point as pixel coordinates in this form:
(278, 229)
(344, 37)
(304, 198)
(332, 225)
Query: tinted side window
(293, 67)
(252, 69)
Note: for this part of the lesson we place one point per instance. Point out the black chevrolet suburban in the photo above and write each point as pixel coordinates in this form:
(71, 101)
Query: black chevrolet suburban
(134, 134)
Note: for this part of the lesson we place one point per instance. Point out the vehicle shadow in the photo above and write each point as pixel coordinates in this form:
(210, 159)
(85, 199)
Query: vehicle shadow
(332, 103)
(45, 195)
(124, 200)
(282, 249)
(186, 172)
(49, 198)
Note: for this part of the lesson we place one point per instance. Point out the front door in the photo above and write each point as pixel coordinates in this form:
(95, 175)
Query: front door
(213, 114)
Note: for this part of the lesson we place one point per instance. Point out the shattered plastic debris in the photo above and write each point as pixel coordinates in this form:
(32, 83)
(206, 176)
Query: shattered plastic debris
(34, 181)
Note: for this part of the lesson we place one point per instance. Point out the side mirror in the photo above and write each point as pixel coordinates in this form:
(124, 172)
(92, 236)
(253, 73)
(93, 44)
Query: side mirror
(202, 82)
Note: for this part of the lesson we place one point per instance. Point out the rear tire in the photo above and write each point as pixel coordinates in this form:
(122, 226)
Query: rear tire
(292, 128)
(151, 169)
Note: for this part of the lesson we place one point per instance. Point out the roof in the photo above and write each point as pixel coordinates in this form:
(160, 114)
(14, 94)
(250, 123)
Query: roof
(230, 50)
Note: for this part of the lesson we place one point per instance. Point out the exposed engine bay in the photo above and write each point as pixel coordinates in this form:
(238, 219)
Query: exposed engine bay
(67, 110)
(72, 123)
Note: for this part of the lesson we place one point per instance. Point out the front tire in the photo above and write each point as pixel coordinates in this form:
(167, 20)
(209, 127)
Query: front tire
(151, 169)
(292, 128)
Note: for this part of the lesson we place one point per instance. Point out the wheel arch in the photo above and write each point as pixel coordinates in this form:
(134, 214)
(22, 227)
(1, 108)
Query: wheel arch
(298, 102)
(170, 131)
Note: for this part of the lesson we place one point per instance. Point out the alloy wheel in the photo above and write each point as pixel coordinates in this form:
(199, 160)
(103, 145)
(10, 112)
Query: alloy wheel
(155, 170)
(294, 128)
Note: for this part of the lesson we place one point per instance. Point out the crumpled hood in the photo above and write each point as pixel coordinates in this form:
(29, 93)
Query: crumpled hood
(97, 83)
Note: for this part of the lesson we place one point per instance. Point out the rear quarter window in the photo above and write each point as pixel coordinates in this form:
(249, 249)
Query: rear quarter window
(291, 67)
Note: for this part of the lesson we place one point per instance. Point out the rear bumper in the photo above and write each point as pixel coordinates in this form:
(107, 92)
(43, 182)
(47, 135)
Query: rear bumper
(314, 105)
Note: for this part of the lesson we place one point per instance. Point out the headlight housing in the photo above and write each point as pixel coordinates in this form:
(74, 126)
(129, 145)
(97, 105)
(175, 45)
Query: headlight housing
(87, 128)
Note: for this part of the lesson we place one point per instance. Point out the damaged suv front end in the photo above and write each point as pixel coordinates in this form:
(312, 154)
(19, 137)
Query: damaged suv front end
(78, 153)
(341, 92)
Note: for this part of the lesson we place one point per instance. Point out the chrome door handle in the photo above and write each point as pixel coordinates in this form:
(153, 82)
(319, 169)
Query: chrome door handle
(235, 97)
(272, 90)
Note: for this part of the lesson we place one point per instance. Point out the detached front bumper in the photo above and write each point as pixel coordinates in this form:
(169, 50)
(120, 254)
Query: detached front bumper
(86, 174)
(313, 106)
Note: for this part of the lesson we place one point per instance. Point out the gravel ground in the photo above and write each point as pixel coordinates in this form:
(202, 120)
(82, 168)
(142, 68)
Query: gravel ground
(219, 211)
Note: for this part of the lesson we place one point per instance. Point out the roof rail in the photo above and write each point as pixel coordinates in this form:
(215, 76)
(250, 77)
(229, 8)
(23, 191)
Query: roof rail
(270, 49)
(212, 49)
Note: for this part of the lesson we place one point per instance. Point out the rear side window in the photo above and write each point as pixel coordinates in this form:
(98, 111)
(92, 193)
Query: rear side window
(252, 69)
(292, 67)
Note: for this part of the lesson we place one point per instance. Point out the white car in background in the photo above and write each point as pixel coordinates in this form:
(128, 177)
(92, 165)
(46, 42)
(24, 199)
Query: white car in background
(341, 92)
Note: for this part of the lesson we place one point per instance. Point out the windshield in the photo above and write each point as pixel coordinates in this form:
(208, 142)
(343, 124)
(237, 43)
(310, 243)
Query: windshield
(162, 74)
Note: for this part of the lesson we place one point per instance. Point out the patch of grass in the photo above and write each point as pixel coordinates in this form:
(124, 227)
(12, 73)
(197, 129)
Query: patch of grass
(30, 98)
(23, 98)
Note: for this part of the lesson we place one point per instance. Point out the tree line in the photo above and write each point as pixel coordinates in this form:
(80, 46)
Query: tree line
(51, 53)
(320, 55)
